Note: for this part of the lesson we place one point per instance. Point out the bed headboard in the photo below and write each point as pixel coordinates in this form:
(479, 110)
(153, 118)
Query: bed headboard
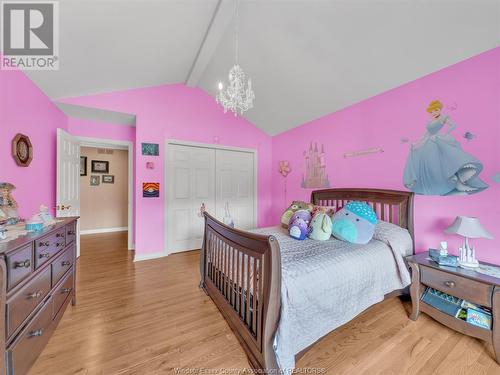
(393, 206)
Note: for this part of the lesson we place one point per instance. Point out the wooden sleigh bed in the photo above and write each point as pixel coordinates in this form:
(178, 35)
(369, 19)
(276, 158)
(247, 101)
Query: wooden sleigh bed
(241, 271)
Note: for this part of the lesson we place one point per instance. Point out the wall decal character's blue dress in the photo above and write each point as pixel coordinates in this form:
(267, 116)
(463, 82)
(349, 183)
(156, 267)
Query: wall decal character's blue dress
(437, 165)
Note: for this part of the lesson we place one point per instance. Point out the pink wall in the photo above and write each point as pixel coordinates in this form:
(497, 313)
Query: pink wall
(24, 108)
(103, 130)
(473, 86)
(182, 113)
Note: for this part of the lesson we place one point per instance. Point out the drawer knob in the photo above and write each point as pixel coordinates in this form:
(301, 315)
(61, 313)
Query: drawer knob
(66, 263)
(449, 284)
(71, 232)
(60, 235)
(59, 244)
(41, 244)
(65, 290)
(23, 264)
(44, 255)
(36, 294)
(35, 333)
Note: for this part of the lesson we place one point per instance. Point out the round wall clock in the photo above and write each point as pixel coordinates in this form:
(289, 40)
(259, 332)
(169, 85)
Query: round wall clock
(22, 150)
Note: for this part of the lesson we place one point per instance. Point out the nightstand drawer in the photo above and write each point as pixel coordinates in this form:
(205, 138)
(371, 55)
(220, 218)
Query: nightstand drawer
(470, 290)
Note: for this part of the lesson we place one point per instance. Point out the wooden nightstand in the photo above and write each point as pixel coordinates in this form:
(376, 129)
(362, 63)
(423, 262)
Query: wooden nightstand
(465, 284)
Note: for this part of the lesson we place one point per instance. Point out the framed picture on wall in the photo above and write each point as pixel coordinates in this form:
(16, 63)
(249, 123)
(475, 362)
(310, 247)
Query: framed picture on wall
(108, 179)
(83, 165)
(94, 180)
(150, 149)
(100, 166)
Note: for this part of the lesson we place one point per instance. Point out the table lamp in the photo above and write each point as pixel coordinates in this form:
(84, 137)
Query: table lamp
(468, 227)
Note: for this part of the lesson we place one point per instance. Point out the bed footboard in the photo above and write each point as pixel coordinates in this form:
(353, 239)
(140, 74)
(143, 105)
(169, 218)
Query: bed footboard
(241, 272)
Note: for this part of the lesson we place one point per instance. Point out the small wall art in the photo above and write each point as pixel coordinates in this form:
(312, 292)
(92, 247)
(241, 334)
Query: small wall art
(150, 189)
(22, 150)
(108, 179)
(95, 180)
(368, 151)
(83, 165)
(315, 176)
(100, 166)
(150, 149)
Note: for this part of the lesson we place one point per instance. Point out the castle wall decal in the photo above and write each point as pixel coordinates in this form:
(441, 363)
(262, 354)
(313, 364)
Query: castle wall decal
(315, 176)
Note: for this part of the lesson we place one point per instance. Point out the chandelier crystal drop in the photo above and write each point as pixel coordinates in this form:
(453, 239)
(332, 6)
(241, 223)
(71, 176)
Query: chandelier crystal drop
(238, 95)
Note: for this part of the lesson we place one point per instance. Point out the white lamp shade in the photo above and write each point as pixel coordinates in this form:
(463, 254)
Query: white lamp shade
(469, 227)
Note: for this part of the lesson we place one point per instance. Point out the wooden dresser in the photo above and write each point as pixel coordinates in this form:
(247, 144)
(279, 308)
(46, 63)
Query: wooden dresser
(37, 276)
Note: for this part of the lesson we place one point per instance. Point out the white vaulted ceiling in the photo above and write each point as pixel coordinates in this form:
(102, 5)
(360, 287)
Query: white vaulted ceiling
(306, 58)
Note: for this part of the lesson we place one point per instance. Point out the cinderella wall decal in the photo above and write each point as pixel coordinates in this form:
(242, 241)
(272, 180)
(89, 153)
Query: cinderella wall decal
(437, 165)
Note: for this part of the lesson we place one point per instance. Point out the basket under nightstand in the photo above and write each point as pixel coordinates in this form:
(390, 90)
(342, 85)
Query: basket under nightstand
(466, 284)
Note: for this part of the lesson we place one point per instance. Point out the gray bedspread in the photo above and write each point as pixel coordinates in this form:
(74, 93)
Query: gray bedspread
(325, 284)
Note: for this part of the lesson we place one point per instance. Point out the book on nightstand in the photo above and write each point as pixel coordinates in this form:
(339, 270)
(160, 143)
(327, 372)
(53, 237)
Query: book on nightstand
(443, 302)
(479, 318)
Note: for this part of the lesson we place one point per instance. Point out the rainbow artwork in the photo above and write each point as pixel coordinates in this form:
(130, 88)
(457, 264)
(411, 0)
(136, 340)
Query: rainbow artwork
(150, 189)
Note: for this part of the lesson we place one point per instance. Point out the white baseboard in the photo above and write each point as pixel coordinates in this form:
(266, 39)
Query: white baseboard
(140, 257)
(103, 230)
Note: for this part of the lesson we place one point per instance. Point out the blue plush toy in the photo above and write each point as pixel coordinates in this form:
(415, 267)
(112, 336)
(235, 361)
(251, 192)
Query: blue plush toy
(355, 223)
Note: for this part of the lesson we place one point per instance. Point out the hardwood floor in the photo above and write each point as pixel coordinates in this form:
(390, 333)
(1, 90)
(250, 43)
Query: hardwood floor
(150, 318)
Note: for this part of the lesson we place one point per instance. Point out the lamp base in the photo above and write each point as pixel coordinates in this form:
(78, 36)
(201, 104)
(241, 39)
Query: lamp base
(468, 264)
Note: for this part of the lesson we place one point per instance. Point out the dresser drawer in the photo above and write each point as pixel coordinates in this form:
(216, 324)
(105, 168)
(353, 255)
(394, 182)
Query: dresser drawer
(24, 351)
(47, 246)
(19, 265)
(62, 293)
(21, 304)
(470, 290)
(62, 264)
(70, 232)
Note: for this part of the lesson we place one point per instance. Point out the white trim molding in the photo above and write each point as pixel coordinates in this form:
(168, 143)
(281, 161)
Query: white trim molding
(141, 257)
(103, 230)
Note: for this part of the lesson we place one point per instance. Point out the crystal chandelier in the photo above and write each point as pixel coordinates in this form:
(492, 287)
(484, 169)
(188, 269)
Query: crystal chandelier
(238, 96)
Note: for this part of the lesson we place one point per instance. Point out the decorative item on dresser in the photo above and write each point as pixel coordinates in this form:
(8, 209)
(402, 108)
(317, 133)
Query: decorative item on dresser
(37, 276)
(465, 293)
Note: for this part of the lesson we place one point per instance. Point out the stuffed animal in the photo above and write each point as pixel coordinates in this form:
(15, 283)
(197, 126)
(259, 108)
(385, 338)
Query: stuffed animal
(321, 227)
(298, 229)
(355, 223)
(301, 214)
(294, 207)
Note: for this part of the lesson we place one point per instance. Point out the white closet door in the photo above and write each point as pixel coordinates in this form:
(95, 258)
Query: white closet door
(190, 182)
(235, 184)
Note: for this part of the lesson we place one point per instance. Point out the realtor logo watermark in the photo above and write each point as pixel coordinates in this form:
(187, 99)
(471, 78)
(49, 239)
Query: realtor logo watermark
(30, 35)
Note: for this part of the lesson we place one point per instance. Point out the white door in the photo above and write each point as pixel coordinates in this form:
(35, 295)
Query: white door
(235, 185)
(68, 179)
(190, 182)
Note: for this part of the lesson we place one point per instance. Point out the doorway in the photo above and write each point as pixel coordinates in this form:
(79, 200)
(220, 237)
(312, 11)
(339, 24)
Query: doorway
(211, 176)
(103, 190)
(70, 168)
(106, 187)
